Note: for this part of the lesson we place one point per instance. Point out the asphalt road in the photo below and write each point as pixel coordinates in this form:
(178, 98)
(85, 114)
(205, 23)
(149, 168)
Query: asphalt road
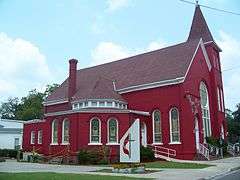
(235, 175)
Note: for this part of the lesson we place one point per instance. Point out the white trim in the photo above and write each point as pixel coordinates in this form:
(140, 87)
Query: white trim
(54, 102)
(53, 122)
(63, 134)
(157, 144)
(177, 80)
(170, 123)
(34, 121)
(153, 125)
(39, 136)
(65, 144)
(90, 132)
(205, 57)
(222, 100)
(218, 99)
(171, 143)
(110, 143)
(54, 144)
(120, 111)
(95, 144)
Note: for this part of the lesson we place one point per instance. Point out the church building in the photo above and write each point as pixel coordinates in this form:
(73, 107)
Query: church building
(176, 92)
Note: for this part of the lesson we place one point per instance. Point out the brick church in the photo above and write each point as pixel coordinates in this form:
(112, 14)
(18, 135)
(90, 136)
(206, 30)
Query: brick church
(176, 92)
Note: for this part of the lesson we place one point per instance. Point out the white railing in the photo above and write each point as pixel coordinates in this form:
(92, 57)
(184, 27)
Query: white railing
(233, 149)
(159, 150)
(230, 149)
(215, 151)
(204, 151)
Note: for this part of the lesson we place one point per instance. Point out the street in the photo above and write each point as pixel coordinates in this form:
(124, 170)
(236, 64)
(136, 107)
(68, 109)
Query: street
(234, 175)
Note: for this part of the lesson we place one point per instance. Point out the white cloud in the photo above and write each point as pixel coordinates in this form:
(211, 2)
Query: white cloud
(22, 67)
(109, 51)
(230, 62)
(114, 5)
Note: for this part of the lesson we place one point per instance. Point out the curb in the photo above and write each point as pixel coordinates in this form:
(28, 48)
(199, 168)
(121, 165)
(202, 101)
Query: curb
(222, 174)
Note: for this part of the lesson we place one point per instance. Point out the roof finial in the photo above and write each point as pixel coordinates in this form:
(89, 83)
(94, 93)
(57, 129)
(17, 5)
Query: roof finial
(197, 3)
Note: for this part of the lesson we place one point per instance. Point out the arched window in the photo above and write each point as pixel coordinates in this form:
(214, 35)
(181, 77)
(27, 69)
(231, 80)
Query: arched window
(205, 110)
(54, 132)
(112, 131)
(65, 131)
(157, 130)
(174, 125)
(95, 131)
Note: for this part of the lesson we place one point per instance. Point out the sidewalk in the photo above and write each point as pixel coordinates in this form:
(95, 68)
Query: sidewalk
(221, 167)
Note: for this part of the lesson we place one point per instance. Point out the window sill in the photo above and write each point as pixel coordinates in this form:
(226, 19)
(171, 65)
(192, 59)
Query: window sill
(64, 143)
(112, 144)
(174, 143)
(95, 144)
(54, 144)
(157, 143)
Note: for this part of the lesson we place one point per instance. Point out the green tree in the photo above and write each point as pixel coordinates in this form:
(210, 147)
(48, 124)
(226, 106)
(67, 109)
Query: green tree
(30, 107)
(8, 109)
(233, 123)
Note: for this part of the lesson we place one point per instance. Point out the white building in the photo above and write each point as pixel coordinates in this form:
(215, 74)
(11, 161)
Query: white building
(11, 132)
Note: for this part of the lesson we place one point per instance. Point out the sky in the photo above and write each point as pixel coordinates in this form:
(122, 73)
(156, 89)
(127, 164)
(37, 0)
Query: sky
(37, 38)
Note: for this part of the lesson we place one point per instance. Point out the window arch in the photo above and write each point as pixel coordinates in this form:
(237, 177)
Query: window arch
(174, 125)
(157, 126)
(95, 131)
(112, 130)
(65, 131)
(205, 110)
(54, 132)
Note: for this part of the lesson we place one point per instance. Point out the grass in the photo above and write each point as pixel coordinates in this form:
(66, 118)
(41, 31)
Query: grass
(175, 165)
(58, 176)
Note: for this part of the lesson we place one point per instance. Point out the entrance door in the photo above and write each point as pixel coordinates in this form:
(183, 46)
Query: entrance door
(144, 134)
(196, 133)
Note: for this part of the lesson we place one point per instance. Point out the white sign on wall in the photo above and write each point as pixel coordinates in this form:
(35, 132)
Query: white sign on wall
(130, 144)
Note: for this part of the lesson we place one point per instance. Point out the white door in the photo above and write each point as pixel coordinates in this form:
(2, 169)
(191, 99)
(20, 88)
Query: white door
(144, 134)
(196, 133)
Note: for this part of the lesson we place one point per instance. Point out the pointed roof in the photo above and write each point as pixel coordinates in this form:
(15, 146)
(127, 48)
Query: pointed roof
(199, 28)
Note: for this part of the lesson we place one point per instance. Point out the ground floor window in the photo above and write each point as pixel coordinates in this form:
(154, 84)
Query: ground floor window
(157, 130)
(32, 137)
(112, 131)
(65, 131)
(54, 132)
(40, 137)
(95, 131)
(174, 125)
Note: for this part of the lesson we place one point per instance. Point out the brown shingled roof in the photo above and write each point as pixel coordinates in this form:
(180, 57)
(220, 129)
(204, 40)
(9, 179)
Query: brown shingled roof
(163, 64)
(199, 28)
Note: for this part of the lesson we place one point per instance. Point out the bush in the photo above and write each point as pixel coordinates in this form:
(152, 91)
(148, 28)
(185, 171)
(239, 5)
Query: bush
(11, 153)
(146, 154)
(88, 157)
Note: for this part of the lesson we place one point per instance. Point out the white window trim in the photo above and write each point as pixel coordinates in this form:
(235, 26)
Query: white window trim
(90, 133)
(112, 143)
(153, 123)
(222, 100)
(39, 136)
(53, 122)
(63, 123)
(219, 99)
(208, 109)
(170, 123)
(32, 141)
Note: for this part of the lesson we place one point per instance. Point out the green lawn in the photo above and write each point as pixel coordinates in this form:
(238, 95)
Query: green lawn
(176, 165)
(57, 176)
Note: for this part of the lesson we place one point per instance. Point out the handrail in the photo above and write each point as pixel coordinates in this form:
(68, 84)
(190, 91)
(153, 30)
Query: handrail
(204, 151)
(158, 150)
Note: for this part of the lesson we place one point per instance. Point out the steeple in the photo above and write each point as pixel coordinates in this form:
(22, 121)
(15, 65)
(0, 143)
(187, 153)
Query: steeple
(199, 28)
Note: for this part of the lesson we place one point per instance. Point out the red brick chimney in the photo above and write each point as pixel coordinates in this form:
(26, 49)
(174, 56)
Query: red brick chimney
(72, 80)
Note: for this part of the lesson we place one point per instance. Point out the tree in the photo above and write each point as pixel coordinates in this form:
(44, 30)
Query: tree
(233, 123)
(30, 107)
(8, 109)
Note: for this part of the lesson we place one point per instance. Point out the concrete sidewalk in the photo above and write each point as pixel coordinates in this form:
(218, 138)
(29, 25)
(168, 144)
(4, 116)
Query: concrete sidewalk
(222, 166)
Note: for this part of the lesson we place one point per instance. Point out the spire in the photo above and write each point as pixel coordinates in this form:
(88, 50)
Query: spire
(199, 28)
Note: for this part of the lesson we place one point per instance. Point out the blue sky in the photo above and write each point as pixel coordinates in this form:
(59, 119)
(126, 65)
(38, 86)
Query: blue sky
(38, 37)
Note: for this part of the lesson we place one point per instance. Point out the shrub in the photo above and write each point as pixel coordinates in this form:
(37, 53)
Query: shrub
(88, 157)
(146, 154)
(11, 153)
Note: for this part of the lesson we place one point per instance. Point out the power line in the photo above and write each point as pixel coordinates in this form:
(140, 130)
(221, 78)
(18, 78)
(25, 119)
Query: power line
(212, 8)
(233, 68)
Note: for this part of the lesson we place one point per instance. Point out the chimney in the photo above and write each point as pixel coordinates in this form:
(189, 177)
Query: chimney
(72, 80)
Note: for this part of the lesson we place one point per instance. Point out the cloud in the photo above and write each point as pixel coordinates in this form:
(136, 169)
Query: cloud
(230, 66)
(114, 5)
(22, 67)
(109, 51)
